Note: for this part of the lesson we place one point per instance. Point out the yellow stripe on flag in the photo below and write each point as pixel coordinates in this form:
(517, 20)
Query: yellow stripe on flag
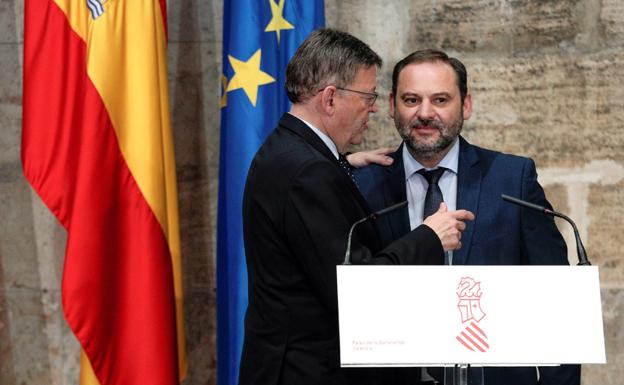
(127, 63)
(87, 376)
(77, 15)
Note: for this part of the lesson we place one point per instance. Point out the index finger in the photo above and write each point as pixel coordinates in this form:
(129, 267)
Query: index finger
(463, 215)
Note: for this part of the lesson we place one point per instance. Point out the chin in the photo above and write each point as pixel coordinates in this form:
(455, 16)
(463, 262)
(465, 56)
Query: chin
(355, 141)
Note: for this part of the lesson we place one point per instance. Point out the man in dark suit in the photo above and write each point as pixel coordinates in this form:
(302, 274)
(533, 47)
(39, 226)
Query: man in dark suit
(429, 102)
(298, 205)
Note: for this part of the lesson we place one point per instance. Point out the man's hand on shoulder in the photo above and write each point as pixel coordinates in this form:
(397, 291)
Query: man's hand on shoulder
(364, 158)
(448, 225)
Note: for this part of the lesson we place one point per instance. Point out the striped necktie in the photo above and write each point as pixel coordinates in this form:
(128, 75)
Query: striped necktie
(346, 167)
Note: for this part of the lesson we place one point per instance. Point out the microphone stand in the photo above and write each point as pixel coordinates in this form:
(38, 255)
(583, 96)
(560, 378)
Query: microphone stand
(375, 215)
(580, 249)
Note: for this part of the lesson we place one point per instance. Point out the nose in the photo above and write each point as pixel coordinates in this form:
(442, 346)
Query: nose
(426, 111)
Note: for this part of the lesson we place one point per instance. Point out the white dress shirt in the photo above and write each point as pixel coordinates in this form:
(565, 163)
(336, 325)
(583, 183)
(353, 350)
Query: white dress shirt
(324, 137)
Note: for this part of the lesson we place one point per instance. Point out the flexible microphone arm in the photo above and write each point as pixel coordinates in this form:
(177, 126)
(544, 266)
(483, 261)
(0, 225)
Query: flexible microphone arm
(580, 249)
(375, 215)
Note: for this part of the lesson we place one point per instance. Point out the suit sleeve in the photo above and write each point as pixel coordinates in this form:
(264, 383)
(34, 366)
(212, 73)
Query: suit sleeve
(319, 212)
(542, 241)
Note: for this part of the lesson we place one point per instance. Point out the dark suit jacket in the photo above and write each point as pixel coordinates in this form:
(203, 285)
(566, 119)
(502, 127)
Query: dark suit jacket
(501, 234)
(297, 209)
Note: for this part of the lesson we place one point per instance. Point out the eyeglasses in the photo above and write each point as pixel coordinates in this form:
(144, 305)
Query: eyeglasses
(369, 96)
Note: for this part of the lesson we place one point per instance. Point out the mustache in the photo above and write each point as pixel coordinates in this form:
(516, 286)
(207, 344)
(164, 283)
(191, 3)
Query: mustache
(418, 123)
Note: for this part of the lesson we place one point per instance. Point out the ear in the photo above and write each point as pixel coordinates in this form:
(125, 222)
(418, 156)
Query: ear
(391, 107)
(327, 99)
(467, 112)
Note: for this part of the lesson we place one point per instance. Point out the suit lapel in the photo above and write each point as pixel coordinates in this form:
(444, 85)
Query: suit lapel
(295, 125)
(395, 192)
(469, 178)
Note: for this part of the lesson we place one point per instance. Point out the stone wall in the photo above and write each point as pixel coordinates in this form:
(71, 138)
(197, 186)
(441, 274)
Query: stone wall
(547, 79)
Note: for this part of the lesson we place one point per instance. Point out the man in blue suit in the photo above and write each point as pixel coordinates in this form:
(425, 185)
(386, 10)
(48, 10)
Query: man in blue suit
(429, 102)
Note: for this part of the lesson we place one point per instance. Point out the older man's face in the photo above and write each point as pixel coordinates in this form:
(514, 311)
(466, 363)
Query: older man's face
(354, 105)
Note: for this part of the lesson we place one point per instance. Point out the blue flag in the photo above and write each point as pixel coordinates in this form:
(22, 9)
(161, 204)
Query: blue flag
(259, 38)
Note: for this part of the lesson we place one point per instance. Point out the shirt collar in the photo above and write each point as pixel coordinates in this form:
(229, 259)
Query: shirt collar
(324, 137)
(450, 160)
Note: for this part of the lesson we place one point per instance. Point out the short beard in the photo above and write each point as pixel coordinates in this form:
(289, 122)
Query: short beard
(448, 134)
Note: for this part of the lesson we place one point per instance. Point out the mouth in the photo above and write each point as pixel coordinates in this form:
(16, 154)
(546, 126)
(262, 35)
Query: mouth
(425, 129)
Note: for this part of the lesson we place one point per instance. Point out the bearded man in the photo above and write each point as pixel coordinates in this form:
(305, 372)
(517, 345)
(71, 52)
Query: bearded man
(429, 103)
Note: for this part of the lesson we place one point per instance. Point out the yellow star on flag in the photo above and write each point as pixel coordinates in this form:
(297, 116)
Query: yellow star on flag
(248, 76)
(278, 22)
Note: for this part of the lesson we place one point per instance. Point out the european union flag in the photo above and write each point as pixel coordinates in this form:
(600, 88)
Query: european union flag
(259, 38)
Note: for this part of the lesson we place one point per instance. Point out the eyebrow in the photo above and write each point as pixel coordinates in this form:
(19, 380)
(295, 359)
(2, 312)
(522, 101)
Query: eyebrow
(447, 94)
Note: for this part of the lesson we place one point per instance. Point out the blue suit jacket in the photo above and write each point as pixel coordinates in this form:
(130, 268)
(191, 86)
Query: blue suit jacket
(501, 234)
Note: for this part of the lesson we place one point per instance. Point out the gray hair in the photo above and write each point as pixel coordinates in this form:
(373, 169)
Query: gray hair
(327, 56)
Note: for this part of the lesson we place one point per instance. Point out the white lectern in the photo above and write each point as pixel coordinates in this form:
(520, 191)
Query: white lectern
(475, 315)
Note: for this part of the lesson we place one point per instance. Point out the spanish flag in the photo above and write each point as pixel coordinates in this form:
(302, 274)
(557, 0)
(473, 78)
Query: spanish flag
(97, 148)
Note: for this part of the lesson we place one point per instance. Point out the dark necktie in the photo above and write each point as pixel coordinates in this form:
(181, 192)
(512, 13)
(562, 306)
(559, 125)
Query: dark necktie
(434, 194)
(346, 167)
(433, 198)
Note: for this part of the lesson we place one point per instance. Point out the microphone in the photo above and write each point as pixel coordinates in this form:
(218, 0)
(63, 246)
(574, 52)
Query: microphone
(580, 249)
(375, 215)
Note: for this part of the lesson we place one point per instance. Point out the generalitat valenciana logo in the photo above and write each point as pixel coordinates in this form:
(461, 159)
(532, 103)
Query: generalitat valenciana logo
(472, 336)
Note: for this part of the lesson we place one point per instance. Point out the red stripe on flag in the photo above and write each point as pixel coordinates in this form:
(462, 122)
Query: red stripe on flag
(117, 279)
(163, 11)
(474, 325)
(463, 343)
(473, 342)
(478, 338)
